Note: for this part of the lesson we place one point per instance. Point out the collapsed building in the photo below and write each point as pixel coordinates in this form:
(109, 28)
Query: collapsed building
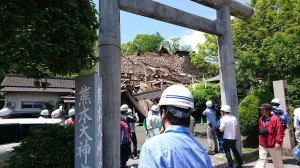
(146, 75)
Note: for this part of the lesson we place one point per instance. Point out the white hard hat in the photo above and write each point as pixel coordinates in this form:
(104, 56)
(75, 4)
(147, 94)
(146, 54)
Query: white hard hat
(297, 113)
(154, 108)
(275, 101)
(45, 112)
(177, 95)
(55, 113)
(71, 112)
(226, 108)
(124, 107)
(5, 111)
(209, 103)
(129, 111)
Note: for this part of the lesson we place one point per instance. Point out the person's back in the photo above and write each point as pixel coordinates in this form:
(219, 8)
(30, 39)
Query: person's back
(154, 122)
(210, 115)
(175, 148)
(279, 113)
(125, 140)
(230, 123)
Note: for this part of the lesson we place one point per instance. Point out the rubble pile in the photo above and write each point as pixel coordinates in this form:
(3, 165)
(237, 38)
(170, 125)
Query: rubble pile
(152, 71)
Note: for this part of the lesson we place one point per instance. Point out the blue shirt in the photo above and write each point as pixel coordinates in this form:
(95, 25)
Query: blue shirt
(210, 116)
(173, 149)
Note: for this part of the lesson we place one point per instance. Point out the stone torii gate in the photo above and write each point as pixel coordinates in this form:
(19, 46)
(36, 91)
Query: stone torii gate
(109, 51)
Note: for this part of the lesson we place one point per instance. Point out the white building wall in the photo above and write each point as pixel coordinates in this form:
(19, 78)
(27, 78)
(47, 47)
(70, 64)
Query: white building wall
(16, 99)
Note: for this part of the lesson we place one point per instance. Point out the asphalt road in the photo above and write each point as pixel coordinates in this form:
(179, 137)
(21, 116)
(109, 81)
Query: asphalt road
(200, 136)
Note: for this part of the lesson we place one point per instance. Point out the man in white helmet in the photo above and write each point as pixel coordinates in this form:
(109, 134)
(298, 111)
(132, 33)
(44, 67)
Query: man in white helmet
(125, 117)
(210, 114)
(279, 113)
(125, 151)
(5, 112)
(175, 147)
(58, 114)
(71, 119)
(153, 122)
(229, 126)
(44, 114)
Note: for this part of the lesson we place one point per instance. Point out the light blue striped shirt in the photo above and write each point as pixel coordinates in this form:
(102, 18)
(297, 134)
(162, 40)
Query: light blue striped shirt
(173, 149)
(210, 116)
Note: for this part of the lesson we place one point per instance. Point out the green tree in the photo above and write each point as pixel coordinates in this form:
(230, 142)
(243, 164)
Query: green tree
(206, 59)
(173, 45)
(142, 43)
(42, 38)
(267, 46)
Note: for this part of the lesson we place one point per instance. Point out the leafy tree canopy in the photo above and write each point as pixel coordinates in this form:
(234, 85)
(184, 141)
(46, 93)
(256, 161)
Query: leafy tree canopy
(142, 43)
(42, 38)
(150, 43)
(267, 46)
(173, 45)
(206, 59)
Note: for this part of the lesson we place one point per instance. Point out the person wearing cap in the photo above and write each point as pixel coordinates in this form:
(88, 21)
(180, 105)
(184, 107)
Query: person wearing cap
(175, 147)
(153, 122)
(210, 114)
(133, 135)
(270, 137)
(229, 126)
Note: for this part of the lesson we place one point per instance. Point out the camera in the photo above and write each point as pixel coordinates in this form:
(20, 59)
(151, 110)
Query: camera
(263, 131)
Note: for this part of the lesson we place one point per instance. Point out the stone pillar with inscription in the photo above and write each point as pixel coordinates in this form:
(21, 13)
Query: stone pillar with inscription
(88, 122)
(280, 92)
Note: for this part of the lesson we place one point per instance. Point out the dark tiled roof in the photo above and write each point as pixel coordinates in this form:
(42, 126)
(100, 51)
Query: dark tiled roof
(30, 89)
(21, 81)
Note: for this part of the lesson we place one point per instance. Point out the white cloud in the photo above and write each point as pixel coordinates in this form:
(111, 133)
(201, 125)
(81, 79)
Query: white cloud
(192, 38)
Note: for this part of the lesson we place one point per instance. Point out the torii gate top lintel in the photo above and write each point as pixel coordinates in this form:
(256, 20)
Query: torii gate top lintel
(237, 8)
(158, 11)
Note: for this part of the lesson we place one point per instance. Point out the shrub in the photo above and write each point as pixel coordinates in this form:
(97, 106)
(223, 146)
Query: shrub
(50, 148)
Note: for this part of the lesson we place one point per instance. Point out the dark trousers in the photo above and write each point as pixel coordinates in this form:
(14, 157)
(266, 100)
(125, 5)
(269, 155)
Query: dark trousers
(221, 140)
(231, 144)
(134, 142)
(125, 154)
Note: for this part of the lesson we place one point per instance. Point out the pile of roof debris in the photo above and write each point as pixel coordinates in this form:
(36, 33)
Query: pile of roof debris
(145, 75)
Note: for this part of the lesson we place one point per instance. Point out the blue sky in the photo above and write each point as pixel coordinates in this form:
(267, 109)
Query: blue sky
(132, 24)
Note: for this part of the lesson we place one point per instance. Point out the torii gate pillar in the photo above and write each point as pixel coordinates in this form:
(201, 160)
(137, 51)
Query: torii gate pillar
(227, 65)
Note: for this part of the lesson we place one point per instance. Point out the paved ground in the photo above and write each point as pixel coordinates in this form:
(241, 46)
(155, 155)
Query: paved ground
(219, 160)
